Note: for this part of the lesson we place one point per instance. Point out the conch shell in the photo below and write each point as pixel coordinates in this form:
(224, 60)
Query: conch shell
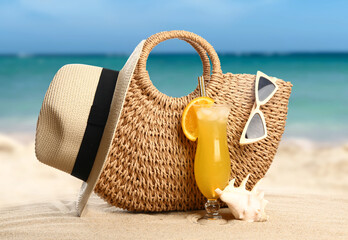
(244, 205)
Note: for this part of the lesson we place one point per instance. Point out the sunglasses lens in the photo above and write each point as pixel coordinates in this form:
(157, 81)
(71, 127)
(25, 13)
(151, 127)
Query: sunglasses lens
(265, 88)
(255, 128)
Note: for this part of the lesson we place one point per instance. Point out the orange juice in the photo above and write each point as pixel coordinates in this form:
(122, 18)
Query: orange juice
(212, 161)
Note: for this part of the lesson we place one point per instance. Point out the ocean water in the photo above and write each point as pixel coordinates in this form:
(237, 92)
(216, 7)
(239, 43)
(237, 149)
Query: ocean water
(318, 107)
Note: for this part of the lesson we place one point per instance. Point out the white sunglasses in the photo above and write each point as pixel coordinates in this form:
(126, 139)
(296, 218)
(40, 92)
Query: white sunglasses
(255, 129)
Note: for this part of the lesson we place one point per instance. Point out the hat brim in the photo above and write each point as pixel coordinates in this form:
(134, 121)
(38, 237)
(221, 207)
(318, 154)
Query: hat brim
(119, 96)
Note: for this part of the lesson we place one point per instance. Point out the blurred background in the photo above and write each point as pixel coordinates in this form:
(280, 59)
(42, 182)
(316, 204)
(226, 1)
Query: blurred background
(304, 42)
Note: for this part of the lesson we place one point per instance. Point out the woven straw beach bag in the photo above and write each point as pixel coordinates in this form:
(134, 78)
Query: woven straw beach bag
(150, 166)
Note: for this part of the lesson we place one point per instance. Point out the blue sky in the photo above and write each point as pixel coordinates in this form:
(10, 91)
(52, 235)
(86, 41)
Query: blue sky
(106, 26)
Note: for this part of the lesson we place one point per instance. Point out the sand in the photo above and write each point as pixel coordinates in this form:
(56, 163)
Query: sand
(307, 186)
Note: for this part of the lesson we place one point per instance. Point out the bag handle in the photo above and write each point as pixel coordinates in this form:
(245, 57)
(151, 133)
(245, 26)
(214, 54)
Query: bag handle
(157, 38)
(204, 57)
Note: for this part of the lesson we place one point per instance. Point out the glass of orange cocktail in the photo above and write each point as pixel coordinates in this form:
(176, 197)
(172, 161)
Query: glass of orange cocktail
(212, 161)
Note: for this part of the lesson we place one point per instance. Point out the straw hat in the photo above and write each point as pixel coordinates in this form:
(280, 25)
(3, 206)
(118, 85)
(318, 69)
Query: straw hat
(78, 119)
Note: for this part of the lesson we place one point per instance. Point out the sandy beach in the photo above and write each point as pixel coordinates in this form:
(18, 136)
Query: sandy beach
(307, 186)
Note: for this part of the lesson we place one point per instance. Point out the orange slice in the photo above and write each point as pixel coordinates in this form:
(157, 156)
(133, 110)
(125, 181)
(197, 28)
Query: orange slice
(189, 119)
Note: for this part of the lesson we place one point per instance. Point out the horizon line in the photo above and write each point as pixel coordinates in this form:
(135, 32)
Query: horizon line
(252, 53)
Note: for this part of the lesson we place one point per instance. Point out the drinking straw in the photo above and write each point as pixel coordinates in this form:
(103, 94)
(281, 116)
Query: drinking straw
(201, 86)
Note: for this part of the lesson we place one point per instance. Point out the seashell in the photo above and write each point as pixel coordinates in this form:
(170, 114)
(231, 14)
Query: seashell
(244, 205)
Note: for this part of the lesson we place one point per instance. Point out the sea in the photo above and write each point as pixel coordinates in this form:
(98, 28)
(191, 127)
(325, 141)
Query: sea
(318, 107)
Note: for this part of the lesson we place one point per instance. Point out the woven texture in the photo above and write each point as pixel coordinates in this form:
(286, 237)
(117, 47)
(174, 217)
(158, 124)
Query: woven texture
(150, 165)
(64, 113)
